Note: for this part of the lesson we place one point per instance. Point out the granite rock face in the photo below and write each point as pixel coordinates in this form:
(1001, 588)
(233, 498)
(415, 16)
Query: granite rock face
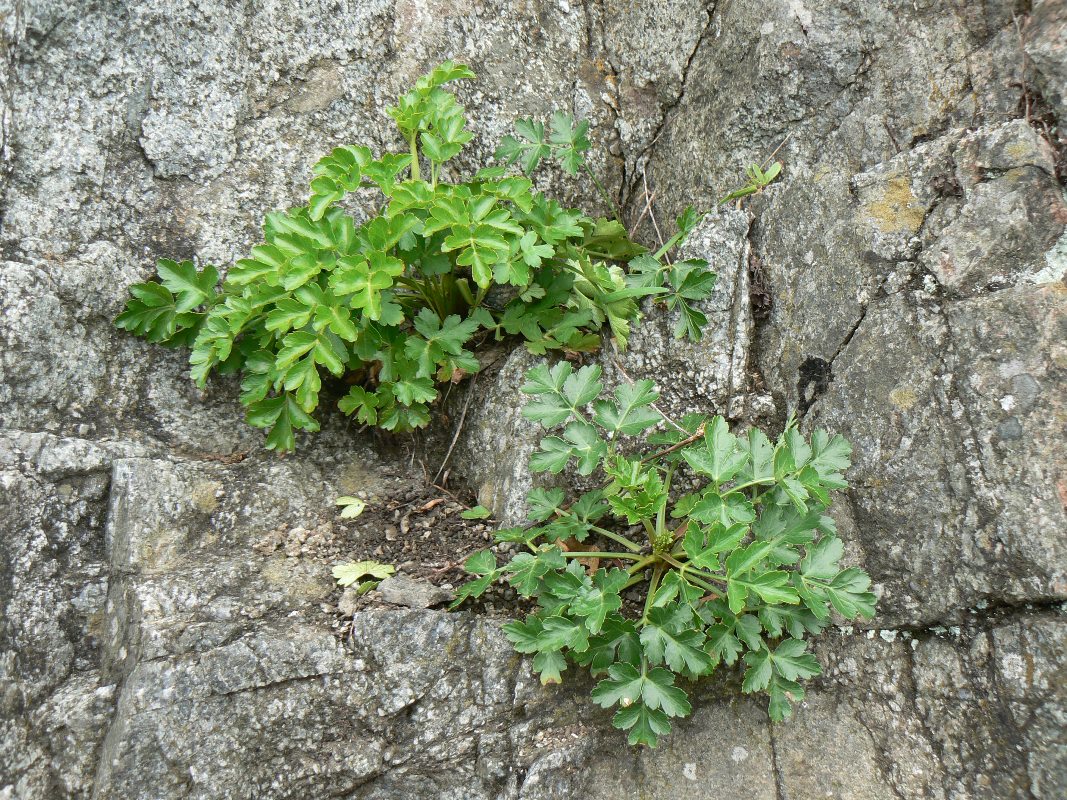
(1046, 45)
(913, 254)
(902, 283)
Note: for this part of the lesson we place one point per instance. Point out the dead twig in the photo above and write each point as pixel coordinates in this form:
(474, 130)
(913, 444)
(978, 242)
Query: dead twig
(451, 565)
(648, 205)
(652, 216)
(767, 160)
(455, 498)
(459, 428)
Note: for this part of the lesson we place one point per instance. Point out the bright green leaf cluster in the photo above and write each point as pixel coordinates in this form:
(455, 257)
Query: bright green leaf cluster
(397, 304)
(566, 141)
(364, 575)
(738, 568)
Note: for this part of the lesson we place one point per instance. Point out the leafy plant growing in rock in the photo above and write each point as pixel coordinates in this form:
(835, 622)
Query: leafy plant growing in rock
(365, 575)
(726, 536)
(397, 304)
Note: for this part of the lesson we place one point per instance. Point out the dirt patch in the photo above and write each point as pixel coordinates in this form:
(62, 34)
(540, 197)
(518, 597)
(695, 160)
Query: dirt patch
(419, 531)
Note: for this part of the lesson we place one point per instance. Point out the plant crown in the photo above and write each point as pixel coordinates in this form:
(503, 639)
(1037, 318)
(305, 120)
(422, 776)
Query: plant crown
(395, 303)
(738, 565)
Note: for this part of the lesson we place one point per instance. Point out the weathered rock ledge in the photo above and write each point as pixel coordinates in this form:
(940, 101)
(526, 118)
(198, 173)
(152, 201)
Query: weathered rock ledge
(221, 678)
(903, 283)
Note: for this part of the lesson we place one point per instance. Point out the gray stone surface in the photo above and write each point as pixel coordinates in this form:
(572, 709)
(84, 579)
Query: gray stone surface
(1045, 41)
(956, 499)
(913, 255)
(402, 590)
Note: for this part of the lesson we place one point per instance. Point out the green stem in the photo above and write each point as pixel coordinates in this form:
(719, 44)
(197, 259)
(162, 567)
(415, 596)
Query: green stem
(634, 580)
(737, 194)
(643, 564)
(433, 301)
(694, 579)
(757, 482)
(676, 446)
(667, 246)
(667, 479)
(603, 255)
(600, 554)
(661, 515)
(651, 531)
(743, 192)
(563, 265)
(578, 415)
(691, 570)
(756, 497)
(413, 143)
(652, 586)
(619, 538)
(604, 194)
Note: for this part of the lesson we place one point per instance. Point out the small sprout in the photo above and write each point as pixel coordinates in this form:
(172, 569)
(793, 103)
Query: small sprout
(347, 574)
(365, 587)
(352, 507)
(758, 180)
(478, 512)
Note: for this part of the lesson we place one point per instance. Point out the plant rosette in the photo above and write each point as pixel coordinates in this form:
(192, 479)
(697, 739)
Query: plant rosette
(738, 568)
(397, 305)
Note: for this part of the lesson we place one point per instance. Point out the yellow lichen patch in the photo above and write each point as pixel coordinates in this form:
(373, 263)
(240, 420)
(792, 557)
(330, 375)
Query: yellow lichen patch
(1058, 356)
(1059, 287)
(903, 397)
(1022, 152)
(205, 496)
(894, 207)
(161, 549)
(936, 95)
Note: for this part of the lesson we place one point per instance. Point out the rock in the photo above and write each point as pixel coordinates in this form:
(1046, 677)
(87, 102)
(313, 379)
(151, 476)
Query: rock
(411, 690)
(402, 590)
(954, 444)
(823, 82)
(53, 583)
(495, 450)
(1046, 45)
(909, 264)
(348, 602)
(1007, 174)
(902, 221)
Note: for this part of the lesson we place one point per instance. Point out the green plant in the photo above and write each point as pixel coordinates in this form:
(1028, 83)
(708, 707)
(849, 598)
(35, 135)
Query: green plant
(395, 304)
(726, 536)
(366, 575)
(351, 507)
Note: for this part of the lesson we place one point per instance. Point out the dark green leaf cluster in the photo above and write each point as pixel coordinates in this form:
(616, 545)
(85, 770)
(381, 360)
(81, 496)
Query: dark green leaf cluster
(397, 305)
(737, 571)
